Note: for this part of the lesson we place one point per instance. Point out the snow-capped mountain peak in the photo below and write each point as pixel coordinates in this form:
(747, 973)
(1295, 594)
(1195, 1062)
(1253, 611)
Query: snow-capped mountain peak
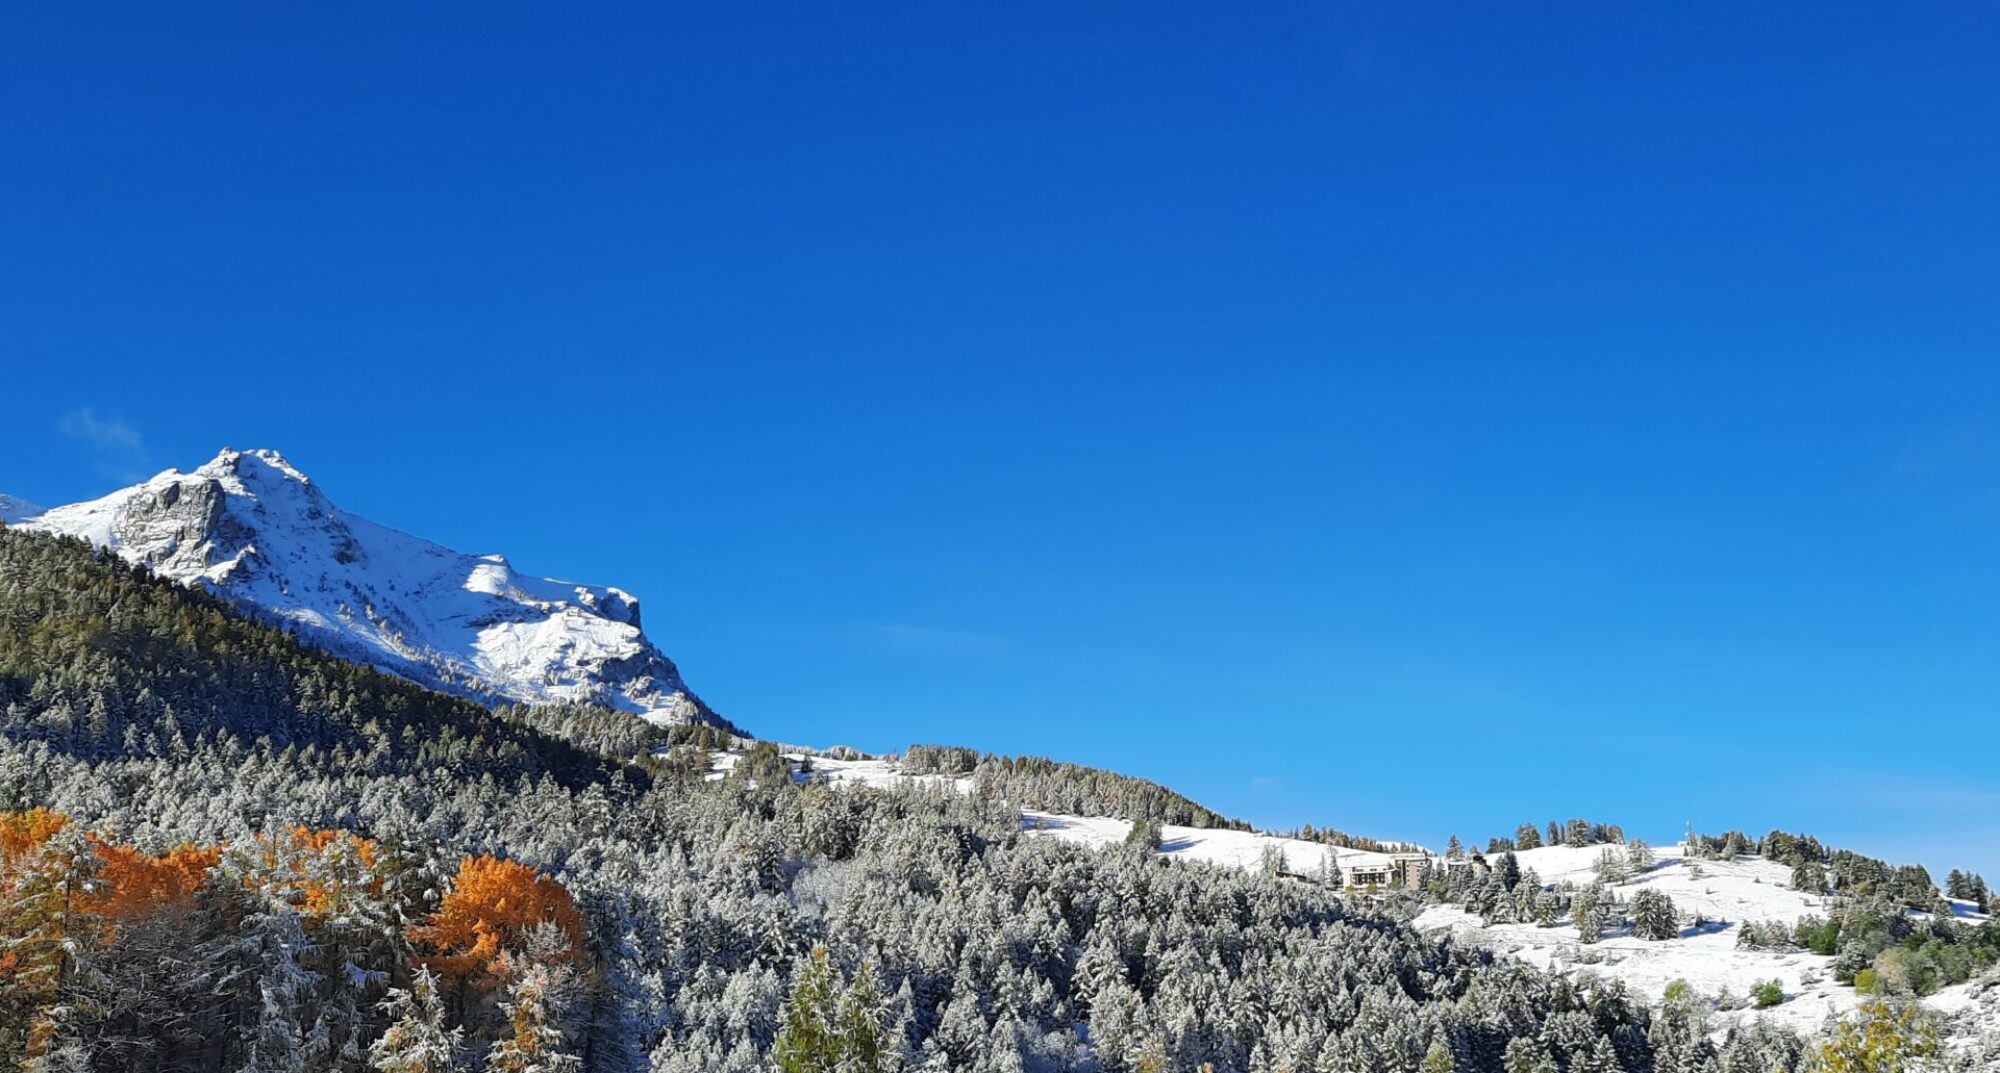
(252, 526)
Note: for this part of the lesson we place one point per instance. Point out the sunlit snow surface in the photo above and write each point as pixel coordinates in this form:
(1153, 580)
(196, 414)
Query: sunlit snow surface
(252, 527)
(1726, 892)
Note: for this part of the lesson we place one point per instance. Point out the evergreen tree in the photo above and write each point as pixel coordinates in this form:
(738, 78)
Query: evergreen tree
(1271, 860)
(1329, 870)
(535, 1043)
(831, 1030)
(1586, 909)
(865, 1043)
(416, 1040)
(1653, 916)
(1638, 856)
(1145, 834)
(1526, 1055)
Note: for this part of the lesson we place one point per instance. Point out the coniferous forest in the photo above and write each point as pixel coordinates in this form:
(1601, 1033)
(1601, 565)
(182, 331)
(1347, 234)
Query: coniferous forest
(221, 849)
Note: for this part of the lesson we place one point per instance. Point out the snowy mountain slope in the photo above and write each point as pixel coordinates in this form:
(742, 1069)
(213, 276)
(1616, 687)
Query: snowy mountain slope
(1232, 848)
(1730, 893)
(13, 511)
(252, 527)
(1727, 893)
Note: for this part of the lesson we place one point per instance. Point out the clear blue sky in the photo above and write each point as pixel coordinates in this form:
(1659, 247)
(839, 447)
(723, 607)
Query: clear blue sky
(1406, 419)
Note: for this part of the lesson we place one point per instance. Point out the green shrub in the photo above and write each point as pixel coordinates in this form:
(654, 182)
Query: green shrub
(1768, 994)
(1819, 935)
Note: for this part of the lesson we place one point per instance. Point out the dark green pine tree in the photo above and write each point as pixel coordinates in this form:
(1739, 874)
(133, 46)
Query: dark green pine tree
(1653, 916)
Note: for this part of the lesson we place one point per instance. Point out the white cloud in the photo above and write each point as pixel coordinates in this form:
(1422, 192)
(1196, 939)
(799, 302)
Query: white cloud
(120, 450)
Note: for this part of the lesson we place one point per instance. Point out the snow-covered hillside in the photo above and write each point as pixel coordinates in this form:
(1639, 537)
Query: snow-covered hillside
(252, 527)
(1223, 846)
(1727, 893)
(1235, 849)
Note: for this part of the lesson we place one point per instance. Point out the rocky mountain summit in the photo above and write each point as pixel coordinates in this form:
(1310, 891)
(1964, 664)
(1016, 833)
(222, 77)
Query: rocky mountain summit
(252, 527)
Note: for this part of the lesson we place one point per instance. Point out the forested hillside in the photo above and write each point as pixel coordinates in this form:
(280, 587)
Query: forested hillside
(226, 851)
(100, 660)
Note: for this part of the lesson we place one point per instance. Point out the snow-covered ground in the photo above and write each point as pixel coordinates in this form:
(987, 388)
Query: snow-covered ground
(250, 525)
(880, 774)
(1726, 893)
(873, 773)
(1237, 849)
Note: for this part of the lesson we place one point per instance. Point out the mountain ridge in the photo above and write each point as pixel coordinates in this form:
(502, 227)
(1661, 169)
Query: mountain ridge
(253, 527)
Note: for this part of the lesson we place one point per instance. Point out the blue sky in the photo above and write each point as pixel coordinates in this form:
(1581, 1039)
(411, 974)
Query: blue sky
(1593, 411)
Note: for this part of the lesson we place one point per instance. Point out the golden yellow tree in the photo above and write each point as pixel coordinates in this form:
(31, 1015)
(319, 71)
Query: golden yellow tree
(1879, 1039)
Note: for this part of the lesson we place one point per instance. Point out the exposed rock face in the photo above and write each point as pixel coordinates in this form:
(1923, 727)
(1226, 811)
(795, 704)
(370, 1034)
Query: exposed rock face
(252, 527)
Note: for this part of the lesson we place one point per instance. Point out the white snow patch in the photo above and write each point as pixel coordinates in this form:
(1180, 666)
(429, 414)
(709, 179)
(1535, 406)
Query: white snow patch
(1236, 849)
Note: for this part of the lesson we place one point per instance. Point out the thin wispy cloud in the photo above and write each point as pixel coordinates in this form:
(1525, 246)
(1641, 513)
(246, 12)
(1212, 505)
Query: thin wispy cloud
(119, 451)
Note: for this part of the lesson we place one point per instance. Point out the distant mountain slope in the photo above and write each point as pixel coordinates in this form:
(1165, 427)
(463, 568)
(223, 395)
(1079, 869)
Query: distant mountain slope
(14, 510)
(99, 659)
(252, 527)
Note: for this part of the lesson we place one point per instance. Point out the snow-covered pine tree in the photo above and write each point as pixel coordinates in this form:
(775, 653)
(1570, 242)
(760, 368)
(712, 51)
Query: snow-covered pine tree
(416, 1040)
(1638, 856)
(1653, 916)
(1527, 1055)
(1586, 909)
(535, 1044)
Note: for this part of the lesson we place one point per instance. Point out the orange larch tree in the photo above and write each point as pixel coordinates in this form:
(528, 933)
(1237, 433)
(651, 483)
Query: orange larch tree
(486, 917)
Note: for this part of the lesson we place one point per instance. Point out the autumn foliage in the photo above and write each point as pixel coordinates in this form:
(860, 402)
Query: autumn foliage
(126, 884)
(22, 832)
(492, 906)
(132, 885)
(70, 897)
